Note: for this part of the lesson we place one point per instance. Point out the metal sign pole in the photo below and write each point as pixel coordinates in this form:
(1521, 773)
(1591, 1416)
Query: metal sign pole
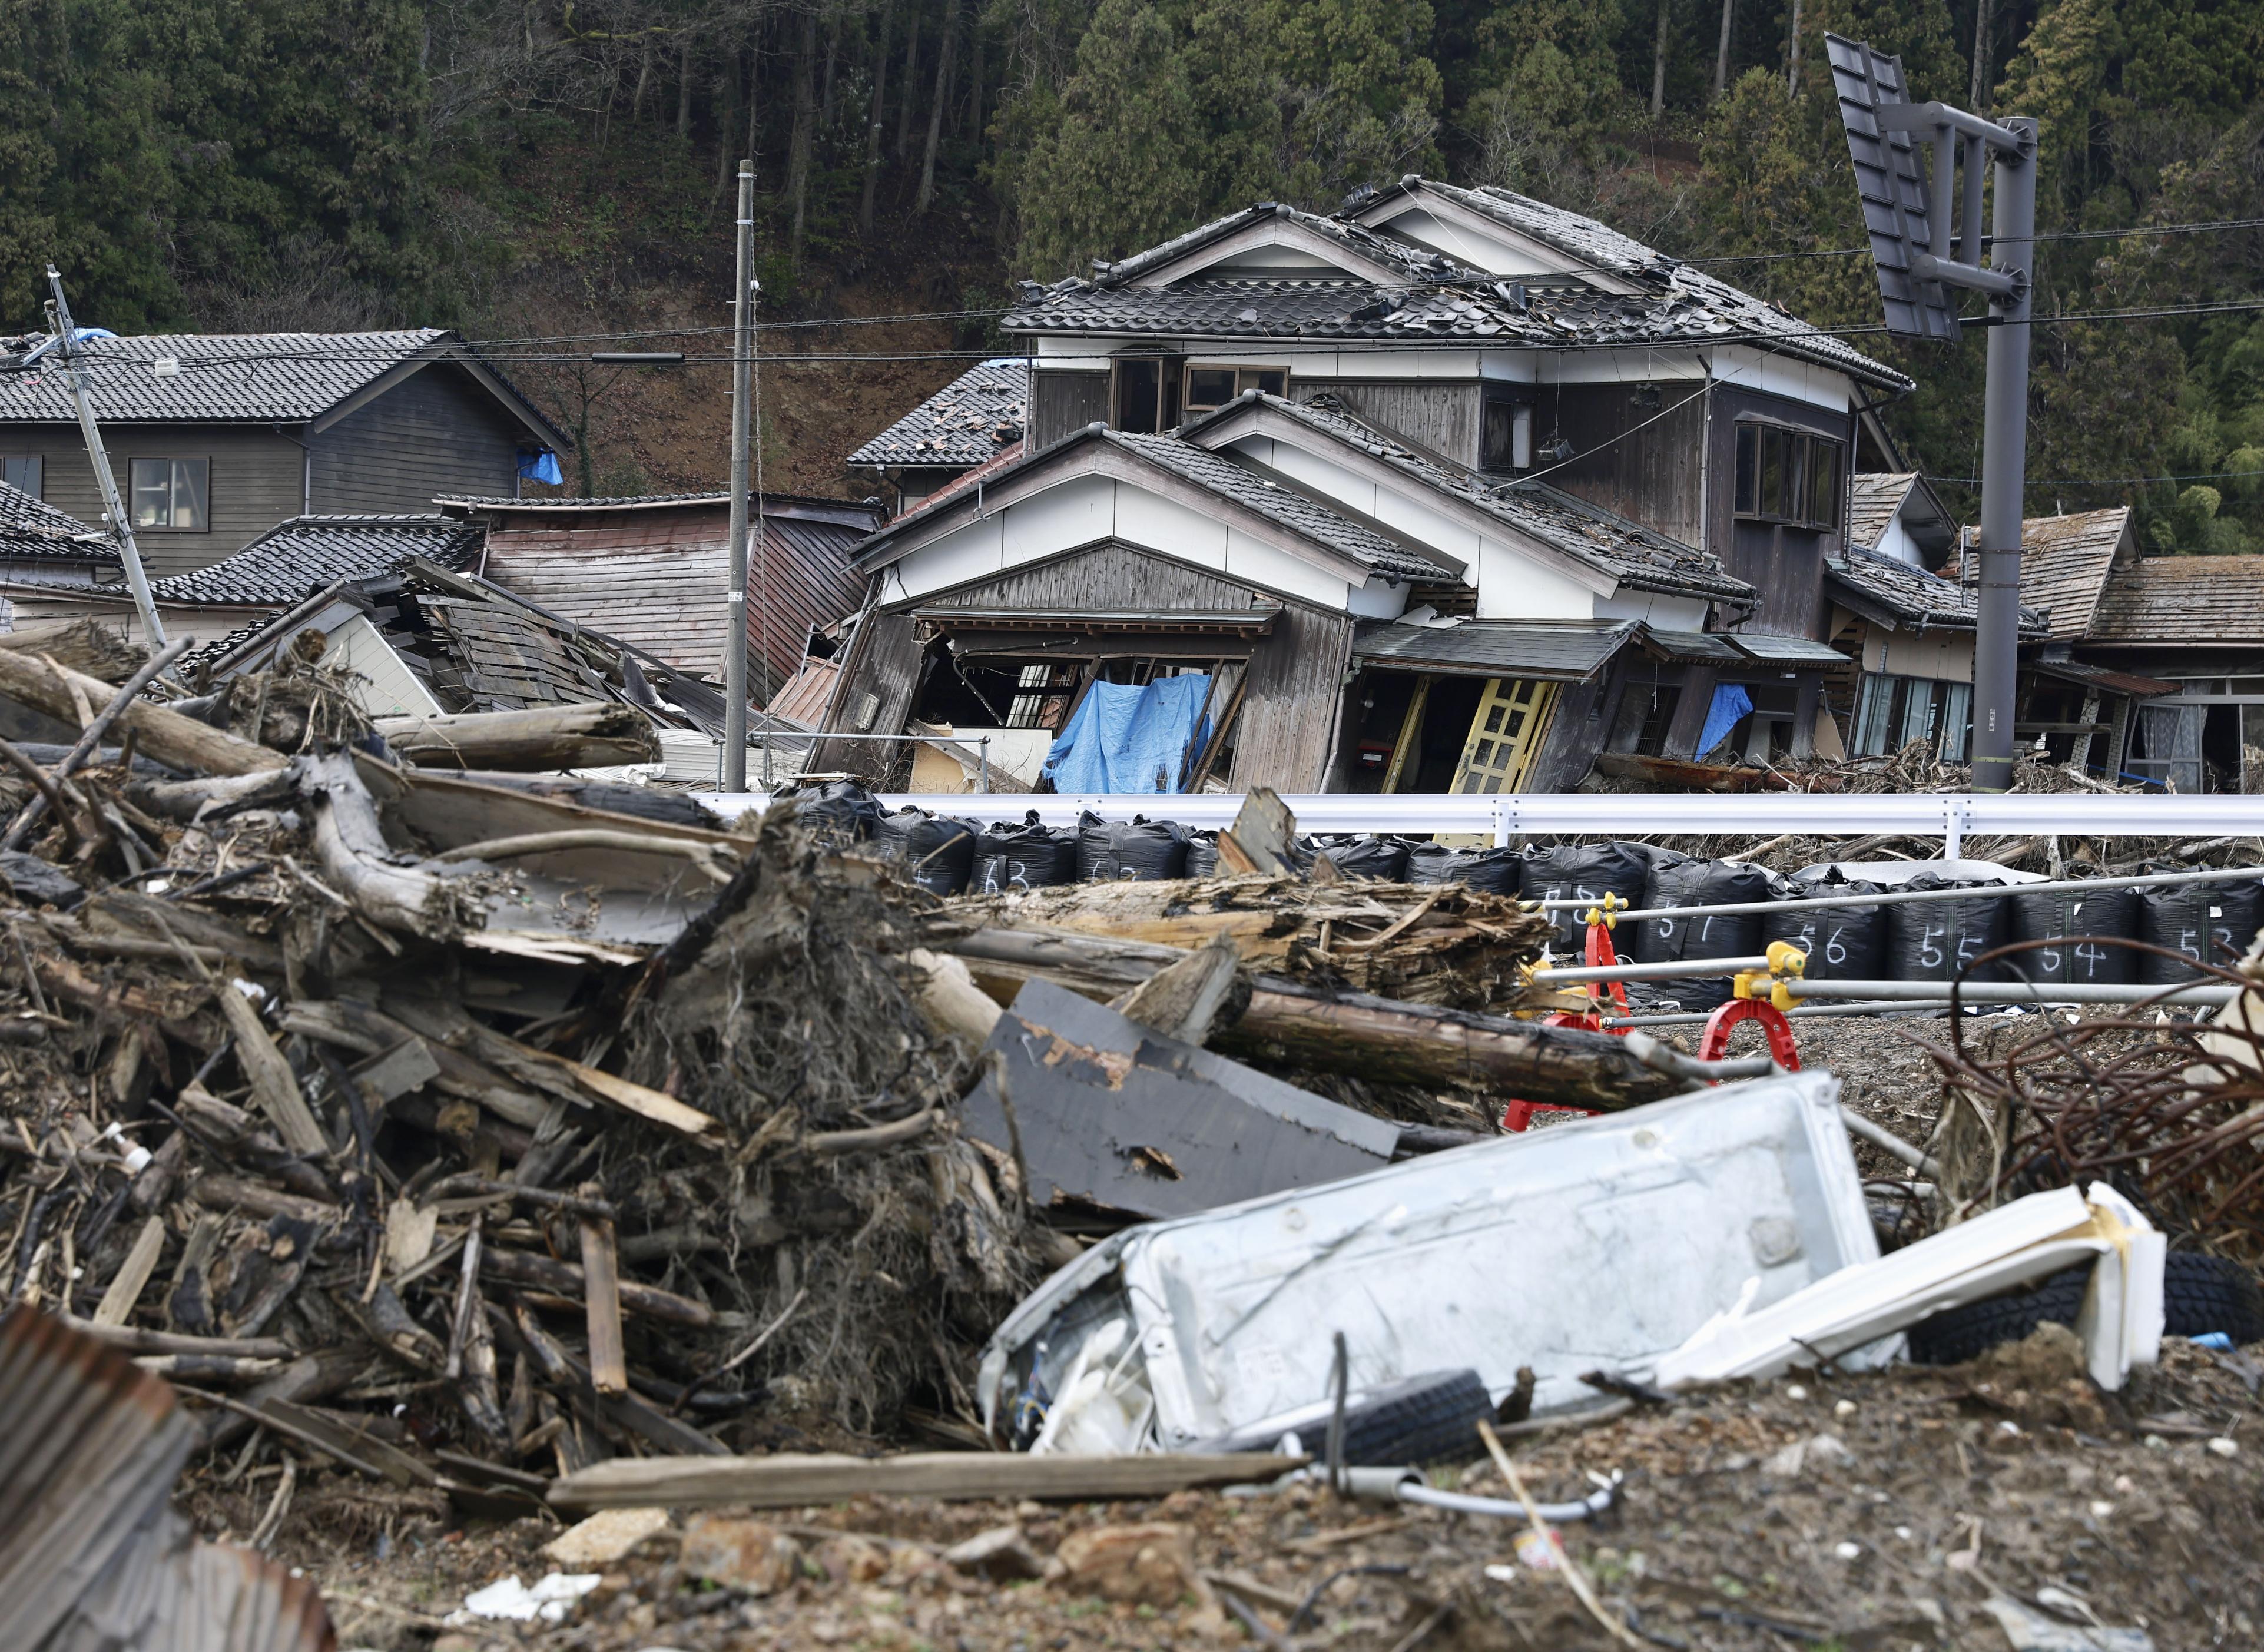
(734, 596)
(2004, 469)
(121, 526)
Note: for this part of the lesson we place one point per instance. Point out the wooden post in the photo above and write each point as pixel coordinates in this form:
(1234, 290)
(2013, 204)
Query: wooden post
(602, 1295)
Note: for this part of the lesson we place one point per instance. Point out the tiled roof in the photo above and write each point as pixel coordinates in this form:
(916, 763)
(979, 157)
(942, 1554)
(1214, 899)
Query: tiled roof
(295, 558)
(1414, 263)
(1908, 593)
(30, 527)
(1292, 511)
(1566, 649)
(2197, 601)
(224, 377)
(2065, 562)
(1005, 459)
(865, 513)
(966, 423)
(1632, 554)
(1874, 497)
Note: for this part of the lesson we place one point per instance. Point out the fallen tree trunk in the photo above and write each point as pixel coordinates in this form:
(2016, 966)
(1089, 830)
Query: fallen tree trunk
(540, 738)
(177, 742)
(1381, 1039)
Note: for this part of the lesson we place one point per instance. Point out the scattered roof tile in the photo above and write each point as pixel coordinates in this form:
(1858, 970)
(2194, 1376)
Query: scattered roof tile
(1906, 593)
(966, 423)
(32, 528)
(295, 558)
(1415, 263)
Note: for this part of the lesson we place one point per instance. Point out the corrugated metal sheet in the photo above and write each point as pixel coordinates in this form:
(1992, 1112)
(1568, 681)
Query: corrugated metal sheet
(92, 1558)
(1771, 649)
(1494, 647)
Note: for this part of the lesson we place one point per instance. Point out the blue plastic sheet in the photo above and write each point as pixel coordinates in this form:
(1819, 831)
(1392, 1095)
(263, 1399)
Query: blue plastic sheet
(1730, 702)
(1129, 739)
(540, 464)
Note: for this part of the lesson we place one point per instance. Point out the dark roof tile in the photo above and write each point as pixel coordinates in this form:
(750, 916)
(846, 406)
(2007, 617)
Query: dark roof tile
(295, 558)
(30, 528)
(1908, 593)
(965, 424)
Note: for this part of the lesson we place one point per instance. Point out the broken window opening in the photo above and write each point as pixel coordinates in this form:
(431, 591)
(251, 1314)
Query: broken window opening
(1146, 395)
(1891, 711)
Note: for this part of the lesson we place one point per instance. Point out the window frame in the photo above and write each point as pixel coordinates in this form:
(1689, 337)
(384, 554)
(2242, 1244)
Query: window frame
(1190, 409)
(176, 461)
(1799, 452)
(1519, 405)
(37, 464)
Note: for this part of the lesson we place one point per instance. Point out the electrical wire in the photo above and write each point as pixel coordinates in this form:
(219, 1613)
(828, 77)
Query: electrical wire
(2107, 482)
(2213, 225)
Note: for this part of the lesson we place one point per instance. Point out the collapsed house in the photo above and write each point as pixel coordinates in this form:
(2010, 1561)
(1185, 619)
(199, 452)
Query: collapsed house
(1420, 489)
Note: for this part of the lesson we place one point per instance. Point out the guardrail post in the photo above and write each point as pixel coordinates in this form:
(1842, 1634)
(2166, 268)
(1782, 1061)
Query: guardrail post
(1955, 817)
(1504, 817)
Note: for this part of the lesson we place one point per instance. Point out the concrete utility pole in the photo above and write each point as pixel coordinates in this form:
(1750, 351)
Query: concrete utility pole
(1909, 214)
(735, 598)
(121, 525)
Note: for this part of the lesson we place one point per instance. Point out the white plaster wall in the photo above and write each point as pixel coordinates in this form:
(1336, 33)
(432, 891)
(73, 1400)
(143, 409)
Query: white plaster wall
(1667, 612)
(1753, 369)
(1512, 586)
(1946, 655)
(1897, 542)
(1618, 366)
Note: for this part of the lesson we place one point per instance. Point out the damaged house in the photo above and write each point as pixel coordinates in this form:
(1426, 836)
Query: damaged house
(976, 420)
(1451, 490)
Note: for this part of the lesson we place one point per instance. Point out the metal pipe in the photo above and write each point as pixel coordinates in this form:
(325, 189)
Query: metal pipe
(2004, 464)
(1887, 1142)
(2199, 995)
(735, 594)
(1681, 969)
(1798, 1013)
(1665, 1058)
(1898, 897)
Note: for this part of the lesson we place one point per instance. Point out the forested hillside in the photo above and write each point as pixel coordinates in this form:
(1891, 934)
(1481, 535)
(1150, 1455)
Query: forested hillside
(528, 169)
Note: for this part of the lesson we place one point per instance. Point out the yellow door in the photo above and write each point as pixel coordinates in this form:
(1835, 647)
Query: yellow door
(1506, 735)
(1411, 728)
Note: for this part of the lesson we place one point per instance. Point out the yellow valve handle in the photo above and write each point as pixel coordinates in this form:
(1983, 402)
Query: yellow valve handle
(1605, 911)
(1785, 959)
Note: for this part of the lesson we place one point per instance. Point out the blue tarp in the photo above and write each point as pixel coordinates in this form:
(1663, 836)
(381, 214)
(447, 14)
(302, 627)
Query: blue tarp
(540, 464)
(1129, 739)
(1730, 702)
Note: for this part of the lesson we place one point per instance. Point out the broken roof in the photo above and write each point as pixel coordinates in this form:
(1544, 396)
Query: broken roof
(2183, 602)
(1874, 497)
(1885, 588)
(862, 514)
(294, 559)
(968, 422)
(34, 529)
(1630, 553)
(1431, 296)
(1307, 519)
(1564, 650)
(2065, 562)
(259, 378)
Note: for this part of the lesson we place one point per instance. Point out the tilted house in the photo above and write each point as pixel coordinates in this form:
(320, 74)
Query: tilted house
(214, 438)
(41, 548)
(978, 418)
(655, 572)
(1533, 459)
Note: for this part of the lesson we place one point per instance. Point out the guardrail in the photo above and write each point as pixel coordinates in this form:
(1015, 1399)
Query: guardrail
(1949, 815)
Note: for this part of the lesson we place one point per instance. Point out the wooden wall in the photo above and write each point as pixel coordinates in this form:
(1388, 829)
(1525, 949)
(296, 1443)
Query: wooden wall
(1785, 564)
(886, 663)
(1106, 576)
(1654, 475)
(1443, 417)
(1281, 738)
(1060, 402)
(255, 479)
(435, 432)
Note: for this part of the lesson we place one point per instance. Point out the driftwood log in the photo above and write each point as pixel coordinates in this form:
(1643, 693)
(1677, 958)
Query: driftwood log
(539, 738)
(1382, 1039)
(178, 742)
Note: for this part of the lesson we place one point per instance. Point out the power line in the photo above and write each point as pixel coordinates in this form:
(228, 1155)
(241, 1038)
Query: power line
(2107, 482)
(2056, 235)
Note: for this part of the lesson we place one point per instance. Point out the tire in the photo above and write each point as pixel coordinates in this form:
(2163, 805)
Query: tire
(1425, 1419)
(2200, 1294)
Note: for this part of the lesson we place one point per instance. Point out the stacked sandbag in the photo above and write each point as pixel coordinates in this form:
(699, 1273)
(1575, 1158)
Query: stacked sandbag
(1663, 940)
(1938, 940)
(2205, 923)
(2069, 915)
(1384, 859)
(1142, 851)
(1029, 855)
(936, 853)
(1585, 871)
(840, 812)
(1203, 854)
(1843, 942)
(1491, 870)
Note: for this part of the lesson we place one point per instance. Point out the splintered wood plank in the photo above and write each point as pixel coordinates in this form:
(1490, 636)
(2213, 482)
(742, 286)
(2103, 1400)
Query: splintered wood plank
(126, 1286)
(273, 1085)
(601, 1277)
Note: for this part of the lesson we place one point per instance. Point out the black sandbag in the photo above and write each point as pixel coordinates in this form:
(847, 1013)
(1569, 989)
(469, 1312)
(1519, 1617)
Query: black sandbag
(1142, 851)
(840, 810)
(1937, 940)
(1382, 858)
(1843, 942)
(1585, 871)
(1203, 854)
(1665, 940)
(1491, 870)
(1030, 855)
(2209, 923)
(2055, 914)
(936, 853)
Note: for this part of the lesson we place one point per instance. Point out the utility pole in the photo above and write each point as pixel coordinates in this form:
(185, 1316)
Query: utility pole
(121, 526)
(735, 598)
(1909, 216)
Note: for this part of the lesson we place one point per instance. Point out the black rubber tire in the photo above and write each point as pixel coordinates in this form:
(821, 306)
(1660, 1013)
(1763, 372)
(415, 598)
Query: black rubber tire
(1425, 1419)
(2200, 1294)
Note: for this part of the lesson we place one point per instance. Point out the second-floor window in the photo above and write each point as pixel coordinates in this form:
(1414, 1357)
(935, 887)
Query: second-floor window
(1788, 475)
(25, 473)
(173, 494)
(1215, 387)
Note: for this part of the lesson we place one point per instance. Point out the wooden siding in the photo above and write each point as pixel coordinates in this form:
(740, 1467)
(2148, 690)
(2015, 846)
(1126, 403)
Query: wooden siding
(1785, 564)
(1060, 402)
(1104, 578)
(435, 432)
(1653, 475)
(1443, 417)
(257, 480)
(1281, 736)
(1577, 732)
(798, 576)
(886, 664)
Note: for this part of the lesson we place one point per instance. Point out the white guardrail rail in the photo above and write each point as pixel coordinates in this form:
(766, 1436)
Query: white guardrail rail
(1950, 816)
